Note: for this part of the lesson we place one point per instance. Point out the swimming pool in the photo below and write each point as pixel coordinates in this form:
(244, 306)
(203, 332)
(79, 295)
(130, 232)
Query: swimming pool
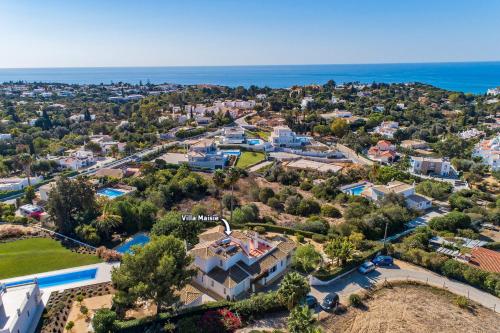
(356, 190)
(59, 279)
(253, 142)
(111, 192)
(139, 239)
(231, 152)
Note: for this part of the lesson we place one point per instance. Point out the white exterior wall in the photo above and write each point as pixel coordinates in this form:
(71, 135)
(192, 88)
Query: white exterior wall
(27, 312)
(220, 289)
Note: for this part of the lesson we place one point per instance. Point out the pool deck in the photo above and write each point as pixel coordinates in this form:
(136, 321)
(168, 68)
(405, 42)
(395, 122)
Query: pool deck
(103, 275)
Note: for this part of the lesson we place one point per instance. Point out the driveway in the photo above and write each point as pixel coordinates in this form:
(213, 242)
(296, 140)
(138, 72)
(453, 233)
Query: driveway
(401, 271)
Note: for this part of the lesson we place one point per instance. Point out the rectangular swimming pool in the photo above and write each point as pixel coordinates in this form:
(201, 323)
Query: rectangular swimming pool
(356, 190)
(111, 192)
(253, 142)
(59, 279)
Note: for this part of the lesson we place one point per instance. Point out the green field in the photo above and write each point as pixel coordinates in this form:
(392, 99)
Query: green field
(248, 158)
(37, 255)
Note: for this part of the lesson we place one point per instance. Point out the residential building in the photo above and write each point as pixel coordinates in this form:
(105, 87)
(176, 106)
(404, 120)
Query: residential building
(5, 136)
(430, 166)
(20, 308)
(283, 136)
(80, 117)
(493, 91)
(470, 134)
(489, 151)
(233, 135)
(387, 129)
(17, 183)
(77, 160)
(200, 120)
(384, 151)
(413, 200)
(306, 101)
(485, 259)
(204, 154)
(232, 265)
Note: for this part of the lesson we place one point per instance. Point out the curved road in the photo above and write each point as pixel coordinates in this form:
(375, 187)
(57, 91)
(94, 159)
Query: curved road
(401, 271)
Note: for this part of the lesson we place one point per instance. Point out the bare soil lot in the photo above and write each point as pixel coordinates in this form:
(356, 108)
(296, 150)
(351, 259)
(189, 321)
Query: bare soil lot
(413, 308)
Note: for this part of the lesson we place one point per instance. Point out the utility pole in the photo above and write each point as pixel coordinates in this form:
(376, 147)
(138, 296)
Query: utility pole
(385, 234)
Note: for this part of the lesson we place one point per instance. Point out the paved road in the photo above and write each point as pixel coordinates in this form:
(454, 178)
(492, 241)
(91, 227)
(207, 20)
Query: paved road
(356, 282)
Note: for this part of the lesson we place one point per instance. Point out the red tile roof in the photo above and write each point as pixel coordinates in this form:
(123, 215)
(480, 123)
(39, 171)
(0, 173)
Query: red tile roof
(486, 259)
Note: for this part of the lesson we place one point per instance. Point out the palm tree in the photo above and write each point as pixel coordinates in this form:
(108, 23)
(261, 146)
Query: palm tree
(106, 223)
(232, 176)
(26, 160)
(340, 249)
(301, 321)
(219, 179)
(293, 289)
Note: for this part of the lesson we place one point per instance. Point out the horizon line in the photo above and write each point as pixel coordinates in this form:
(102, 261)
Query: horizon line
(262, 65)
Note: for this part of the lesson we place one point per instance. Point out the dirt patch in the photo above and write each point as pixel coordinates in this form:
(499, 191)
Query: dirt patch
(82, 322)
(413, 308)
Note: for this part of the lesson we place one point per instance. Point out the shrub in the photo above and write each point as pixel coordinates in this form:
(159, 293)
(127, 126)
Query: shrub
(462, 302)
(222, 320)
(308, 207)
(450, 222)
(314, 224)
(103, 321)
(188, 325)
(319, 238)
(300, 238)
(259, 229)
(265, 194)
(355, 300)
(108, 255)
(292, 203)
(330, 211)
(245, 214)
(275, 204)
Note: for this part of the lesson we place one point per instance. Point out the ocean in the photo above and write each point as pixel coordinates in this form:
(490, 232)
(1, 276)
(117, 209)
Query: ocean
(473, 77)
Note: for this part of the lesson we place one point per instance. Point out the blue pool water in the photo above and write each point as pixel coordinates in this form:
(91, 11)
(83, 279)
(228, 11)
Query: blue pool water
(59, 279)
(231, 152)
(110, 192)
(139, 239)
(356, 190)
(253, 142)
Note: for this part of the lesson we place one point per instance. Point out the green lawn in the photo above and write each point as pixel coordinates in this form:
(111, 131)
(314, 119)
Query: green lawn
(37, 255)
(249, 158)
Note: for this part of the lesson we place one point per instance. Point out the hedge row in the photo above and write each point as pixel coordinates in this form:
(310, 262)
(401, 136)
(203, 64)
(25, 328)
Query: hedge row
(257, 305)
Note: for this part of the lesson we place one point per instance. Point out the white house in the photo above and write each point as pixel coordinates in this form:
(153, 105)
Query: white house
(5, 136)
(204, 154)
(305, 101)
(413, 200)
(233, 135)
(20, 308)
(493, 91)
(387, 129)
(17, 183)
(283, 136)
(428, 165)
(489, 151)
(77, 160)
(234, 264)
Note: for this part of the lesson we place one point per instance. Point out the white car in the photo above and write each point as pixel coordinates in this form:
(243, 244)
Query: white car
(366, 267)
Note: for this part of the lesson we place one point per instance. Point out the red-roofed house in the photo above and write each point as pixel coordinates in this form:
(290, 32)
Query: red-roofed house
(383, 151)
(485, 259)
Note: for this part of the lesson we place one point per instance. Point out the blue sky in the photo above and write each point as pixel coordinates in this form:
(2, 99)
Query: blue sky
(78, 33)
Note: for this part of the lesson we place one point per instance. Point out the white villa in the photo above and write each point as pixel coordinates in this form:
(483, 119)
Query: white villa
(235, 264)
(305, 101)
(283, 136)
(233, 135)
(413, 200)
(17, 183)
(387, 129)
(428, 165)
(489, 151)
(77, 160)
(204, 154)
(20, 308)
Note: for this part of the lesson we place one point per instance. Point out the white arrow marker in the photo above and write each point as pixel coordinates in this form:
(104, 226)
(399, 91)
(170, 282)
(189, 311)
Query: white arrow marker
(227, 226)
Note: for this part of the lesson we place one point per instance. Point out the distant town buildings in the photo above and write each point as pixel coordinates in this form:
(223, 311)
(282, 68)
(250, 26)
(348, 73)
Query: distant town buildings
(489, 151)
(470, 134)
(493, 91)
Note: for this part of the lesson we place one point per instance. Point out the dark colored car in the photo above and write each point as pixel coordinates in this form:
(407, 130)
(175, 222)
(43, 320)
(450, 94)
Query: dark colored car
(383, 261)
(330, 301)
(310, 301)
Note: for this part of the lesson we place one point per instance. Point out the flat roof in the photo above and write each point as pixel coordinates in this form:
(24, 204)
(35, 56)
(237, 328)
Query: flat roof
(13, 299)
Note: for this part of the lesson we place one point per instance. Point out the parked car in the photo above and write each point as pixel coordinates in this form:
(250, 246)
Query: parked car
(366, 267)
(330, 301)
(383, 261)
(310, 301)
